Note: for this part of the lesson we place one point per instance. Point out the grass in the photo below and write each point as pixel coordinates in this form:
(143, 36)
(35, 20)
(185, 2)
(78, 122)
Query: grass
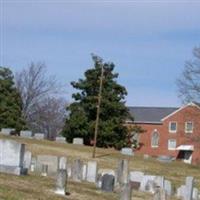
(35, 187)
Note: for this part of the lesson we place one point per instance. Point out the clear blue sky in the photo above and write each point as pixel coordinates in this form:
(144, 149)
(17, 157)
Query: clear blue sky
(149, 41)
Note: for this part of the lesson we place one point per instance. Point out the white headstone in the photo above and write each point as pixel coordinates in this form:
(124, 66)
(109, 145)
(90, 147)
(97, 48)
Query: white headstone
(26, 134)
(62, 163)
(27, 159)
(168, 187)
(127, 151)
(189, 188)
(60, 139)
(136, 176)
(145, 181)
(91, 171)
(39, 136)
(7, 131)
(78, 141)
(84, 172)
(51, 161)
(12, 157)
(195, 194)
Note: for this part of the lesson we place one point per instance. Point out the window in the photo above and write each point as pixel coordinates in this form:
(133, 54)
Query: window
(171, 144)
(155, 139)
(188, 127)
(172, 127)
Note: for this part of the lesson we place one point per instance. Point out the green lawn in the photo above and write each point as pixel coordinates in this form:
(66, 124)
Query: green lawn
(35, 187)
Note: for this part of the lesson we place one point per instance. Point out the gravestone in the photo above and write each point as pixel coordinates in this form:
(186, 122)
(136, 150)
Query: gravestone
(99, 180)
(181, 191)
(107, 183)
(33, 164)
(39, 136)
(61, 182)
(69, 170)
(44, 170)
(126, 192)
(12, 157)
(62, 163)
(159, 181)
(168, 187)
(84, 172)
(122, 172)
(51, 161)
(150, 186)
(127, 151)
(195, 194)
(77, 170)
(78, 141)
(91, 171)
(189, 188)
(60, 139)
(27, 159)
(26, 134)
(147, 183)
(135, 178)
(7, 131)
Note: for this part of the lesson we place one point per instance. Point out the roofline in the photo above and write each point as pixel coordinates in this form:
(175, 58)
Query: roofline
(181, 108)
(143, 122)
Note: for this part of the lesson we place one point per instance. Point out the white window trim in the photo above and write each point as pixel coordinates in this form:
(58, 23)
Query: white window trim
(186, 131)
(171, 148)
(173, 131)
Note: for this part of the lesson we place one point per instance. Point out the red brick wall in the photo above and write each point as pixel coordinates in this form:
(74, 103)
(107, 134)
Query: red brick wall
(189, 113)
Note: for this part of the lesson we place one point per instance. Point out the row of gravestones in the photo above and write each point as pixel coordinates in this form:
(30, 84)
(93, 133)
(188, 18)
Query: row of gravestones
(39, 136)
(108, 180)
(14, 159)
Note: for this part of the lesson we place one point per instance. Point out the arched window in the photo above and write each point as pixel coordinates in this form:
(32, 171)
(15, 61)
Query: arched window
(155, 139)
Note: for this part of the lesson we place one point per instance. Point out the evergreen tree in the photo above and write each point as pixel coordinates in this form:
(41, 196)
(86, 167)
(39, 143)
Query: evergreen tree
(113, 112)
(10, 102)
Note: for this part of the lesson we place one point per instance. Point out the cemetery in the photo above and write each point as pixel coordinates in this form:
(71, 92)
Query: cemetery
(51, 170)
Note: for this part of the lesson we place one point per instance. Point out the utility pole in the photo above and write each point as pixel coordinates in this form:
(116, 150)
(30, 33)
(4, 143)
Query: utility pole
(98, 111)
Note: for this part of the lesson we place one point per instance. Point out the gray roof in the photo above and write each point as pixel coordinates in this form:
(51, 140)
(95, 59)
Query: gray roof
(150, 114)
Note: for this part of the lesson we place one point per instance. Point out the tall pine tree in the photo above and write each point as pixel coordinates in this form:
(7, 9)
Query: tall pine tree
(113, 112)
(10, 102)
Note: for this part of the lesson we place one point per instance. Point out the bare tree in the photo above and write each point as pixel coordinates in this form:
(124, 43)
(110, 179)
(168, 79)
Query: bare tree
(49, 116)
(38, 92)
(189, 81)
(34, 85)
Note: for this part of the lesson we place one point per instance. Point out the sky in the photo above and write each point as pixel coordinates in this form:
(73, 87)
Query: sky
(149, 41)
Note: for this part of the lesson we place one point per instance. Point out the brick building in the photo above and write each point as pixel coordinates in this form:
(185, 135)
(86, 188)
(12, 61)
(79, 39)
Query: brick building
(169, 131)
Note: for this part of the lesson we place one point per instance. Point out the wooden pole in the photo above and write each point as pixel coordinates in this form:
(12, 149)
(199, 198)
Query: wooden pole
(98, 112)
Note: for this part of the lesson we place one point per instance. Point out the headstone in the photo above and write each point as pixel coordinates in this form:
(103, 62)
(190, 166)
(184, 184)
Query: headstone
(69, 170)
(84, 172)
(7, 131)
(122, 172)
(159, 181)
(150, 186)
(26, 134)
(91, 171)
(135, 178)
(181, 191)
(44, 170)
(78, 141)
(147, 183)
(195, 194)
(61, 182)
(39, 136)
(27, 159)
(99, 180)
(126, 192)
(189, 188)
(60, 139)
(12, 157)
(62, 163)
(127, 151)
(51, 161)
(33, 164)
(107, 183)
(77, 170)
(168, 187)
